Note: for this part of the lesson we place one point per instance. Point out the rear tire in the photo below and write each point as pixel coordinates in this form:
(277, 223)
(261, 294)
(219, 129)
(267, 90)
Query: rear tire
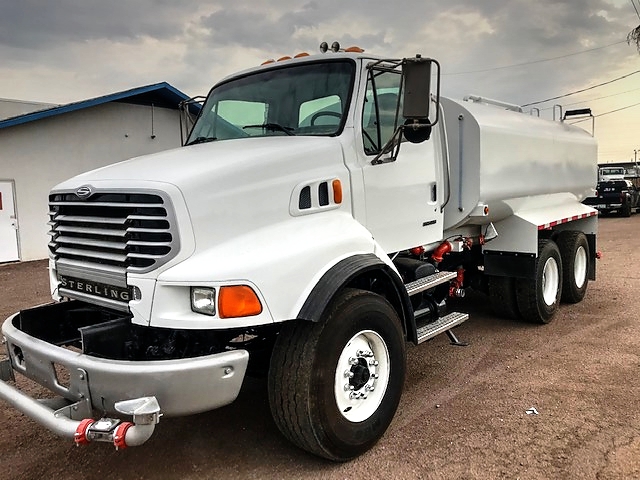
(358, 343)
(574, 250)
(538, 298)
(502, 293)
(626, 210)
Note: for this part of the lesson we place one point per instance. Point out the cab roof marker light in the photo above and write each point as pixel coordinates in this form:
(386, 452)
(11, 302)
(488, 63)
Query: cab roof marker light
(354, 49)
(266, 62)
(301, 54)
(282, 59)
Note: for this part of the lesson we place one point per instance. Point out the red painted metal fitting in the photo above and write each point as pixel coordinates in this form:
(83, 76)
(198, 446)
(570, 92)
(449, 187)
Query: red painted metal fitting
(80, 437)
(119, 435)
(438, 253)
(417, 251)
(457, 284)
(598, 254)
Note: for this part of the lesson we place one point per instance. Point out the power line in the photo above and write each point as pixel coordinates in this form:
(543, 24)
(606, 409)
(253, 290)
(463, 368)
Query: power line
(635, 8)
(617, 110)
(535, 61)
(582, 90)
(607, 113)
(592, 99)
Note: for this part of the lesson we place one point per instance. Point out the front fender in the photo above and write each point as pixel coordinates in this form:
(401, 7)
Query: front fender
(283, 262)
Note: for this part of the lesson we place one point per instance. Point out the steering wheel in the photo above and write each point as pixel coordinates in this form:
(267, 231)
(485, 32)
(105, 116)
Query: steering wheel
(324, 113)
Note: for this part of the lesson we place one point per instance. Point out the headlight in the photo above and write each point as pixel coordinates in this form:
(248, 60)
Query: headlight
(203, 300)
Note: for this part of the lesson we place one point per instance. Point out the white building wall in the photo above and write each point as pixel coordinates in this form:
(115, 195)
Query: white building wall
(40, 154)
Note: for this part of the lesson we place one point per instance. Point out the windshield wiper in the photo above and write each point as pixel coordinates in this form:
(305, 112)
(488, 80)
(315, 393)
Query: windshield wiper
(276, 127)
(202, 140)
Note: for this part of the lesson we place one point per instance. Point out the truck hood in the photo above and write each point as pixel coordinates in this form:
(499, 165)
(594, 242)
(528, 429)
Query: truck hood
(230, 188)
(179, 166)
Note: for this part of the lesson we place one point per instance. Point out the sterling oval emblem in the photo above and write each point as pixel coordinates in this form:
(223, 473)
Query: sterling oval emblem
(84, 191)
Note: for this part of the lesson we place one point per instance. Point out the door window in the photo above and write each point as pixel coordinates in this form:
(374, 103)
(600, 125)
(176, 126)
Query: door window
(379, 119)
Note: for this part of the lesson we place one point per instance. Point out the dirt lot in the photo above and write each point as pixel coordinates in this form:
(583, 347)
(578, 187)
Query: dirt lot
(462, 415)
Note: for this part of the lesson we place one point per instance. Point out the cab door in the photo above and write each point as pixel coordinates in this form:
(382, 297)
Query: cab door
(403, 197)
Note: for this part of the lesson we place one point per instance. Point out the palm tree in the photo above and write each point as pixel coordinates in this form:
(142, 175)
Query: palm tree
(634, 37)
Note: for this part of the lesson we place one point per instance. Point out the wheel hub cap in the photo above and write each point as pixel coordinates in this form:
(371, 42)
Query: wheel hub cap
(362, 375)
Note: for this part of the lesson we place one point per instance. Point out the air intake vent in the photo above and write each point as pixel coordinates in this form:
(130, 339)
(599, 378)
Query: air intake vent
(323, 194)
(305, 198)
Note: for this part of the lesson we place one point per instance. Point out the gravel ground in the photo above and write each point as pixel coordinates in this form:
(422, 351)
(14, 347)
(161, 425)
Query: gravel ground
(462, 415)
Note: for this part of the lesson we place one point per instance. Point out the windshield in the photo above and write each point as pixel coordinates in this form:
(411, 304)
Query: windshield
(307, 99)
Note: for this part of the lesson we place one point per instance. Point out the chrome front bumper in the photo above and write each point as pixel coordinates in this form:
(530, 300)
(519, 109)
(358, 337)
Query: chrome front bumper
(181, 387)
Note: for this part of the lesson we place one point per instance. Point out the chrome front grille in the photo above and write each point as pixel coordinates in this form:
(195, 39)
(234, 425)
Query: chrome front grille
(111, 233)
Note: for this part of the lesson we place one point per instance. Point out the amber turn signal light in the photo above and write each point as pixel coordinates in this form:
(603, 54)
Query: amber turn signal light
(337, 191)
(238, 301)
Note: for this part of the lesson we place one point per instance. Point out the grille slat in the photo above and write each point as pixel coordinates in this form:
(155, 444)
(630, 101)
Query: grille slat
(106, 204)
(90, 231)
(88, 242)
(112, 231)
(77, 219)
(76, 252)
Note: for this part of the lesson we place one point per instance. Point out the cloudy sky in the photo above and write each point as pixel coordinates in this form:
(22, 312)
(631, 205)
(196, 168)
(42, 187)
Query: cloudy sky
(517, 51)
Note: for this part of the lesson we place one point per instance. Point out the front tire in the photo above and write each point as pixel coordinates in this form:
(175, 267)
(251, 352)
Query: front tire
(334, 386)
(539, 298)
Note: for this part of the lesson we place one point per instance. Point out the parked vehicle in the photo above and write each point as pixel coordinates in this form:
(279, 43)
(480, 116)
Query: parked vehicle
(615, 195)
(610, 173)
(322, 213)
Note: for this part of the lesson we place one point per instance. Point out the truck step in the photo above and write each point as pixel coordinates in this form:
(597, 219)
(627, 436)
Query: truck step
(431, 281)
(441, 325)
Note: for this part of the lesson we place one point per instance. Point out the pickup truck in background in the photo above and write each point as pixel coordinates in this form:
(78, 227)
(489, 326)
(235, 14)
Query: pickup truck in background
(615, 195)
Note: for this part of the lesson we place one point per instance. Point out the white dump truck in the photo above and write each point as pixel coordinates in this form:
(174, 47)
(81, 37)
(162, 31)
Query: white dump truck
(320, 216)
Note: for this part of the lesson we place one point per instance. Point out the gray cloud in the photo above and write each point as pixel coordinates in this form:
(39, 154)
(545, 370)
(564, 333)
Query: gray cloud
(192, 38)
(34, 24)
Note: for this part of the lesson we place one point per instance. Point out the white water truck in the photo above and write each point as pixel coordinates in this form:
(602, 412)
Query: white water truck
(321, 215)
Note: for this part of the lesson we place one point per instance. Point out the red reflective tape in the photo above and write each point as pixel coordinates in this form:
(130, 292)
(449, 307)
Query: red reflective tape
(546, 226)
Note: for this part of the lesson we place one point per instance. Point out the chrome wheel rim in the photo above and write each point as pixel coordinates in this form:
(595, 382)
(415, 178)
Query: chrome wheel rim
(362, 376)
(550, 281)
(580, 267)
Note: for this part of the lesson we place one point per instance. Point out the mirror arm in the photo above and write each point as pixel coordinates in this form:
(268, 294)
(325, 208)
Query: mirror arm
(392, 146)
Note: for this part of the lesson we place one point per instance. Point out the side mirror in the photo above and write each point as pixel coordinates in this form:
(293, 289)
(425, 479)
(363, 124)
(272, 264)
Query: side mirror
(416, 73)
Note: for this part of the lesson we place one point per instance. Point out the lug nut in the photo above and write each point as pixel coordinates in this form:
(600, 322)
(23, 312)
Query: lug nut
(353, 361)
(348, 374)
(373, 363)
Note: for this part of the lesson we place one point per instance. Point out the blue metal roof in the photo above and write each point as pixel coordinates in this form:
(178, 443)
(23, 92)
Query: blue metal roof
(158, 94)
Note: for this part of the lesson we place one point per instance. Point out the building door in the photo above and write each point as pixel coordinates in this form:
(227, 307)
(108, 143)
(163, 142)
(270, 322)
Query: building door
(8, 224)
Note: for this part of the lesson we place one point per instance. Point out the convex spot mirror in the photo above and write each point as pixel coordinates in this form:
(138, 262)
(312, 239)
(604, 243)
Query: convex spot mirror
(415, 132)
